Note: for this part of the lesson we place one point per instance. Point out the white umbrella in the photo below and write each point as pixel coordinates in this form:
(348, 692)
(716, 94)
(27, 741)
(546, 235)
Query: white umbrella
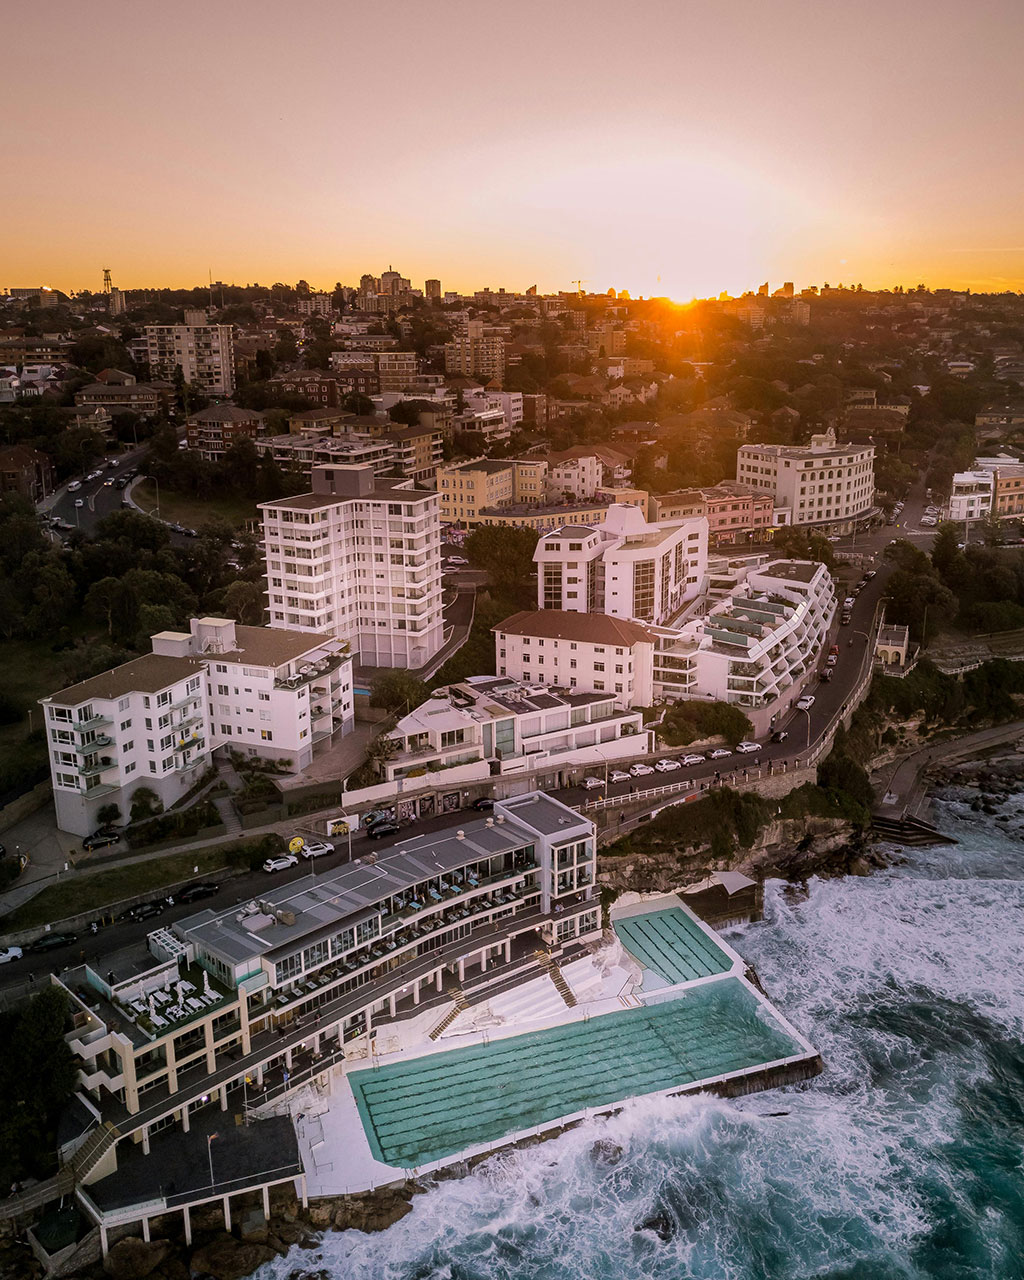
(206, 983)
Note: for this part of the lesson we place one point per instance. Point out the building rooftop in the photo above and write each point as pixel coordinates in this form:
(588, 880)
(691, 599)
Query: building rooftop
(227, 413)
(791, 570)
(560, 624)
(148, 674)
(273, 647)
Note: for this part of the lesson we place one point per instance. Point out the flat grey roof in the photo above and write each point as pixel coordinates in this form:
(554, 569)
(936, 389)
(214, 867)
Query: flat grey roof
(546, 815)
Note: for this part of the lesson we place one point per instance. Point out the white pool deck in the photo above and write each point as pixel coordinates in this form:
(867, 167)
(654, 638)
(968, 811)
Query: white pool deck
(335, 1151)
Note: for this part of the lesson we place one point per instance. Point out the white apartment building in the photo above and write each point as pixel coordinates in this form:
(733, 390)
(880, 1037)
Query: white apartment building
(155, 721)
(583, 653)
(205, 352)
(970, 497)
(304, 452)
(358, 559)
(145, 723)
(271, 693)
(828, 485)
(484, 412)
(516, 726)
(755, 648)
(578, 478)
(626, 567)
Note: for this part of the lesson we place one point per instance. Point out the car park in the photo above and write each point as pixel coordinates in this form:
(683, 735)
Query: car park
(484, 802)
(639, 770)
(101, 838)
(281, 863)
(383, 829)
(806, 702)
(7, 954)
(316, 848)
(780, 735)
(667, 766)
(193, 892)
(589, 784)
(618, 775)
(745, 747)
(51, 941)
(719, 753)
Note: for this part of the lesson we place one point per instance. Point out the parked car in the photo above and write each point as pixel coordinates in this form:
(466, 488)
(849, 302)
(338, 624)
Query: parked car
(849, 602)
(745, 747)
(101, 838)
(7, 954)
(719, 753)
(693, 759)
(147, 910)
(589, 784)
(667, 766)
(870, 574)
(832, 659)
(618, 775)
(780, 735)
(193, 892)
(834, 649)
(51, 941)
(281, 863)
(316, 848)
(74, 486)
(806, 702)
(638, 770)
(483, 802)
(457, 560)
(376, 815)
(383, 829)
(825, 674)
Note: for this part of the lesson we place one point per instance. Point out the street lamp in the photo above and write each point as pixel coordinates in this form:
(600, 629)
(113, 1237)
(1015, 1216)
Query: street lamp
(808, 715)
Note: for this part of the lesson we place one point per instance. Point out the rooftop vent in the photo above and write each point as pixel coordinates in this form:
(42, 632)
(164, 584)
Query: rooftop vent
(501, 817)
(490, 822)
(285, 916)
(460, 835)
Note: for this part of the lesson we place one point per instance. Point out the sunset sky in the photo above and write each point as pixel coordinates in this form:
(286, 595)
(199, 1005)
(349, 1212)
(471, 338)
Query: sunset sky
(662, 146)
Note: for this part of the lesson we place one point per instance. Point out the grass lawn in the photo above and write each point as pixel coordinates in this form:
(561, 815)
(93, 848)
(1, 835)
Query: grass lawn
(29, 670)
(98, 889)
(182, 508)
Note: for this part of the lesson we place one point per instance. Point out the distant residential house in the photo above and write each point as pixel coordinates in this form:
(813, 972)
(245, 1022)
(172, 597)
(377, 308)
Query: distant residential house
(26, 471)
(213, 431)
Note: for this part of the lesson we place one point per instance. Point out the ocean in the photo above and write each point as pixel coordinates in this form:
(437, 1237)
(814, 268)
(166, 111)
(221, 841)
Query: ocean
(904, 1159)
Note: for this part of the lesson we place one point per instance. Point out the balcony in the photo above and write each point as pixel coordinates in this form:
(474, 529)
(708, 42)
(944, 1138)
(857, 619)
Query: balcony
(98, 767)
(96, 722)
(94, 744)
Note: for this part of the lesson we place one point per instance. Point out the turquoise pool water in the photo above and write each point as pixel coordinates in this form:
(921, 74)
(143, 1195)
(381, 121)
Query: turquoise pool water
(672, 944)
(426, 1108)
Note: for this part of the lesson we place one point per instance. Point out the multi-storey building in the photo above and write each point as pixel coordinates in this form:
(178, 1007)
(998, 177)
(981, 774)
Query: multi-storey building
(143, 724)
(155, 721)
(476, 354)
(823, 484)
(970, 497)
(517, 726)
(465, 488)
(432, 290)
(576, 477)
(417, 452)
(733, 511)
(359, 559)
(625, 567)
(1008, 492)
(26, 471)
(145, 398)
(396, 370)
(204, 352)
(304, 452)
(322, 389)
(590, 653)
(271, 693)
(315, 304)
(213, 431)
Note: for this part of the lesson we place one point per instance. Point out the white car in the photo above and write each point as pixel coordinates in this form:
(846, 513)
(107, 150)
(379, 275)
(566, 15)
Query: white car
(314, 848)
(618, 775)
(719, 753)
(74, 486)
(282, 863)
(638, 770)
(666, 766)
(806, 702)
(590, 783)
(457, 560)
(744, 747)
(7, 954)
(79, 502)
(849, 602)
(693, 759)
(832, 659)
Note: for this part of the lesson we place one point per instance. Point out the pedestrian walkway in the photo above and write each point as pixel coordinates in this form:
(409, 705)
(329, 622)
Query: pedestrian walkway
(904, 792)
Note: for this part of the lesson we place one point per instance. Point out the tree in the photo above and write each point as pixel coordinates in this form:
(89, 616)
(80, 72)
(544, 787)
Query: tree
(244, 601)
(506, 554)
(398, 691)
(108, 814)
(145, 804)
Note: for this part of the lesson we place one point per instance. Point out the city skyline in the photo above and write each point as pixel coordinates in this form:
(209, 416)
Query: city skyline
(682, 155)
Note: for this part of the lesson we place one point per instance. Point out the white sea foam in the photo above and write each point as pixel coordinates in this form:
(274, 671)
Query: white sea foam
(903, 980)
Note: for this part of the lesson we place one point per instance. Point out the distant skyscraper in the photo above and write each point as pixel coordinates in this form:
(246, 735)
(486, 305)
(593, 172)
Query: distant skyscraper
(432, 288)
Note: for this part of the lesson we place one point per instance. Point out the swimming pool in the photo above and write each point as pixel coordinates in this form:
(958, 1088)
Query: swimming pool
(427, 1108)
(673, 944)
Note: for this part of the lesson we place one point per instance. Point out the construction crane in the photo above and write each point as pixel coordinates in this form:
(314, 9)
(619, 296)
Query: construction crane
(579, 286)
(107, 283)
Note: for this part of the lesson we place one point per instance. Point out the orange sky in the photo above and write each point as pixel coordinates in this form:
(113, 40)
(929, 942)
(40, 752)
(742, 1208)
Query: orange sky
(662, 146)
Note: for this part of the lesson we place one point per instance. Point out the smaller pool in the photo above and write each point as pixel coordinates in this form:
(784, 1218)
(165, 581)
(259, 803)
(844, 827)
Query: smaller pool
(358, 688)
(673, 944)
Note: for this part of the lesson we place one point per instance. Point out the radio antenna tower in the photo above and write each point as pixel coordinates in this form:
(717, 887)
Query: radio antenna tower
(107, 283)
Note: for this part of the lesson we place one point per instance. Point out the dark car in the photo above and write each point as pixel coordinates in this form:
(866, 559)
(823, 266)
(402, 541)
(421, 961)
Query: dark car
(193, 892)
(51, 941)
(485, 802)
(147, 910)
(780, 735)
(380, 829)
(101, 838)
